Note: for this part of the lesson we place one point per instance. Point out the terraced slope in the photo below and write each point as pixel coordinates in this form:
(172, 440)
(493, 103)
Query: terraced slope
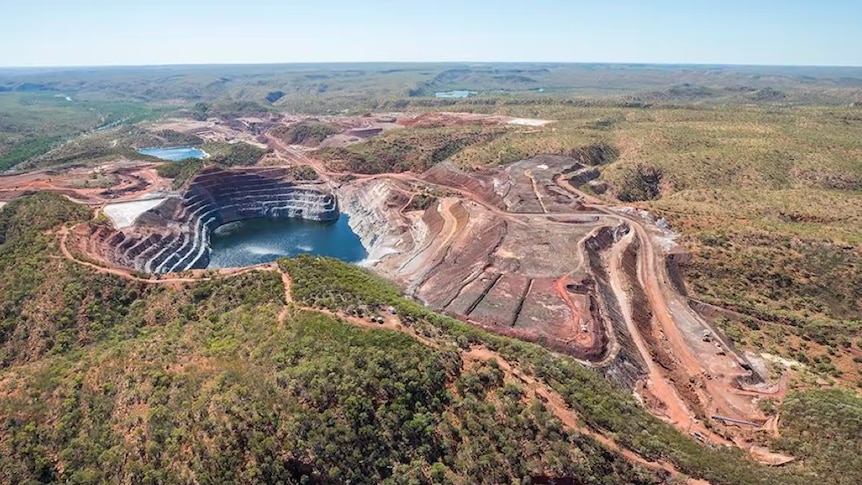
(175, 235)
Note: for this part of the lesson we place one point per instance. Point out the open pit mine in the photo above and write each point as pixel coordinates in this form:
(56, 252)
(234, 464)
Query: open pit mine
(515, 250)
(175, 235)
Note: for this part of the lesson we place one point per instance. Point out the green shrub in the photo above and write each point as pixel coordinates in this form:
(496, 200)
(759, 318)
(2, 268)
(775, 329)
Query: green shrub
(180, 171)
(825, 427)
(302, 172)
(26, 151)
(642, 182)
(305, 132)
(233, 154)
(596, 154)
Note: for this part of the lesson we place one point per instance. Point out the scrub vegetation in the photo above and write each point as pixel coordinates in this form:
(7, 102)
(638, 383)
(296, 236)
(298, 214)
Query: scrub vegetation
(413, 150)
(825, 426)
(302, 173)
(228, 155)
(309, 133)
(32, 123)
(767, 199)
(163, 384)
(234, 154)
(155, 384)
(180, 171)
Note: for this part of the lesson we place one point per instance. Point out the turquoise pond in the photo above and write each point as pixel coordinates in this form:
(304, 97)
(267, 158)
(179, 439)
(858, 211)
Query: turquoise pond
(262, 240)
(173, 154)
(454, 94)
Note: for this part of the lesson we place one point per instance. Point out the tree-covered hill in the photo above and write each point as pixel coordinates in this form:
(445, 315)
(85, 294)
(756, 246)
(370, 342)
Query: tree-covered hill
(105, 379)
(109, 380)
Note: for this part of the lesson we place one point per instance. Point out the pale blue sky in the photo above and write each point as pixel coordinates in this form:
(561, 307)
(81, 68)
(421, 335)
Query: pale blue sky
(119, 32)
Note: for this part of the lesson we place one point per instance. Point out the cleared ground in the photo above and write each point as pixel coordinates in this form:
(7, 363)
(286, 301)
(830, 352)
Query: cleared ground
(123, 214)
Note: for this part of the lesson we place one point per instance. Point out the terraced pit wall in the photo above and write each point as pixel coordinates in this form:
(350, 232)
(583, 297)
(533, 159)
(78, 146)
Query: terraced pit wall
(627, 367)
(175, 235)
(438, 274)
(380, 227)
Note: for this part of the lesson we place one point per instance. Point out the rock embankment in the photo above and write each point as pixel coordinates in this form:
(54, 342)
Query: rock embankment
(374, 211)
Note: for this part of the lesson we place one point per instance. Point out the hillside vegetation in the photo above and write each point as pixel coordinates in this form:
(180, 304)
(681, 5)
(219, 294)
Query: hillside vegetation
(335, 285)
(34, 123)
(758, 170)
(234, 154)
(180, 171)
(108, 380)
(826, 427)
(767, 199)
(413, 150)
(309, 133)
(203, 382)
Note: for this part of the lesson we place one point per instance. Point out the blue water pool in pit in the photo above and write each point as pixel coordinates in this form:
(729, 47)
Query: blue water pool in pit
(173, 154)
(454, 94)
(262, 240)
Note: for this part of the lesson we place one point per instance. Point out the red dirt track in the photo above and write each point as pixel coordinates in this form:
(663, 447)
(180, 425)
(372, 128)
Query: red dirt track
(131, 180)
(553, 400)
(517, 251)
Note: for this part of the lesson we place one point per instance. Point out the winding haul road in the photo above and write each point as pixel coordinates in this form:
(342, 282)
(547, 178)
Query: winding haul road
(714, 380)
(710, 379)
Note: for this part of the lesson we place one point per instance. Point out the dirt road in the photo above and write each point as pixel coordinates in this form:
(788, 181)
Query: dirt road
(557, 405)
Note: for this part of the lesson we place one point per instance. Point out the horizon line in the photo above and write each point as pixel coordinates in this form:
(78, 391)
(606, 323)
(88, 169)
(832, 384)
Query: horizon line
(320, 63)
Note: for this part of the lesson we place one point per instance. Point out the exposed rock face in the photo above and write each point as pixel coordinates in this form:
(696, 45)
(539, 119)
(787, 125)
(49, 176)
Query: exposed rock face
(628, 365)
(415, 248)
(175, 235)
(507, 249)
(375, 218)
(492, 259)
(583, 176)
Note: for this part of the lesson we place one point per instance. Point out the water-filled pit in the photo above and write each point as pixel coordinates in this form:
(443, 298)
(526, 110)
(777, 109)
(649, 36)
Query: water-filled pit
(173, 154)
(265, 239)
(454, 94)
(230, 218)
